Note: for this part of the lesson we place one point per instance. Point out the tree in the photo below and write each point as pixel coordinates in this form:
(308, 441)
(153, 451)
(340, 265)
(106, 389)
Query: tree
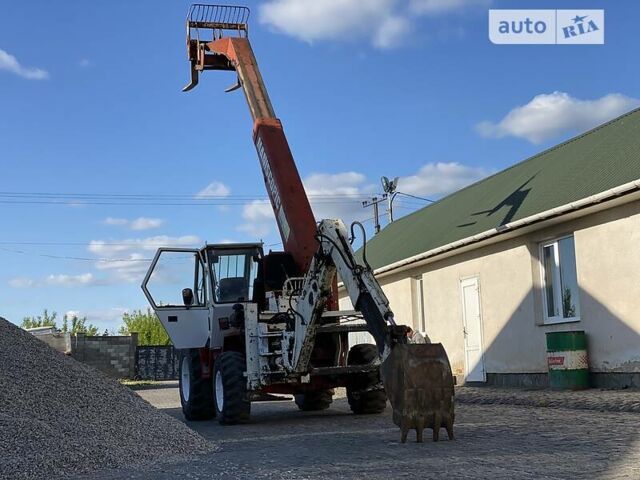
(44, 320)
(149, 329)
(568, 308)
(78, 325)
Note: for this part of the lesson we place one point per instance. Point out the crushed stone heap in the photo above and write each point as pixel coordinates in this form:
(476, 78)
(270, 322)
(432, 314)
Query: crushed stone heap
(60, 417)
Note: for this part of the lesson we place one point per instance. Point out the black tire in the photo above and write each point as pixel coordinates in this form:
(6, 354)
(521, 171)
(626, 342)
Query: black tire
(314, 401)
(365, 392)
(196, 393)
(231, 398)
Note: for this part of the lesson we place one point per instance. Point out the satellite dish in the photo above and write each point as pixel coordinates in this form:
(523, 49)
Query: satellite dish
(385, 184)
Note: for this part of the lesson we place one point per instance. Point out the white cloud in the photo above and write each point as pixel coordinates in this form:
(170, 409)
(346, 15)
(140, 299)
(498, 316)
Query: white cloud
(115, 221)
(10, 63)
(437, 179)
(385, 23)
(144, 223)
(110, 248)
(548, 116)
(439, 7)
(21, 282)
(310, 20)
(336, 195)
(391, 32)
(64, 280)
(84, 62)
(140, 223)
(104, 318)
(56, 280)
(340, 195)
(258, 219)
(131, 268)
(257, 211)
(214, 189)
(128, 260)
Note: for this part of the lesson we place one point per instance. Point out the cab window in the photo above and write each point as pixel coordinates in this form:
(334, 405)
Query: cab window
(173, 272)
(234, 272)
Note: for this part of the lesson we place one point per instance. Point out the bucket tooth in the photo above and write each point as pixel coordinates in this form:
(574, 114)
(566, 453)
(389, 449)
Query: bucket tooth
(404, 431)
(449, 427)
(437, 423)
(419, 428)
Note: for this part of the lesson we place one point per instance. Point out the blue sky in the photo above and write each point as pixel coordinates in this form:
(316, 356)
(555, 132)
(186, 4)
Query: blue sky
(90, 104)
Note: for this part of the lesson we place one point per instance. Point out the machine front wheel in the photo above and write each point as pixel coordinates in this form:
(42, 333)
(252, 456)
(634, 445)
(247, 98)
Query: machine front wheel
(230, 389)
(196, 395)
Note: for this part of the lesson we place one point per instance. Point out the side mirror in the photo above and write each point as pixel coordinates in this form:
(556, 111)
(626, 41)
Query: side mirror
(187, 297)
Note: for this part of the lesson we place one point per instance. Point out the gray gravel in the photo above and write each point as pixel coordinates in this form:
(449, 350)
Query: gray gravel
(60, 417)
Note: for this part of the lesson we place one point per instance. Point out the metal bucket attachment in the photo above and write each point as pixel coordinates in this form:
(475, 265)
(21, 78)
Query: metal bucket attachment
(419, 385)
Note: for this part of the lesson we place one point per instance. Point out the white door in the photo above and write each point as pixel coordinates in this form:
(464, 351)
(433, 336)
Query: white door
(472, 322)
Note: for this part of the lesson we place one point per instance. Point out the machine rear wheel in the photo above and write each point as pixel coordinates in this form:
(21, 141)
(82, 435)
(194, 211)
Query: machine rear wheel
(365, 392)
(313, 401)
(230, 388)
(196, 394)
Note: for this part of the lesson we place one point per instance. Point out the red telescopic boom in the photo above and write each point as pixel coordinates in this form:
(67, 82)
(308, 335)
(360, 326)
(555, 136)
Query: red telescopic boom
(290, 204)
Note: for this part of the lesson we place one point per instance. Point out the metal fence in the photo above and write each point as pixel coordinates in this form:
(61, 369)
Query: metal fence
(157, 362)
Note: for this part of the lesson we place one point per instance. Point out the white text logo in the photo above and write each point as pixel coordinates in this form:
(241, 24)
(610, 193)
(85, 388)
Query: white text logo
(567, 27)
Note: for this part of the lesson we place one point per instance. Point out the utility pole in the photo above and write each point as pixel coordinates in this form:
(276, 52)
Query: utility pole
(376, 217)
(389, 187)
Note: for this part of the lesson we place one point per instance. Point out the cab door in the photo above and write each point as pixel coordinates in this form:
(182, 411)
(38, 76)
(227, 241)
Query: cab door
(177, 288)
(234, 271)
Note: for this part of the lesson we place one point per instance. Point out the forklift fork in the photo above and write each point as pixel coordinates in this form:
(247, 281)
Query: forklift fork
(205, 24)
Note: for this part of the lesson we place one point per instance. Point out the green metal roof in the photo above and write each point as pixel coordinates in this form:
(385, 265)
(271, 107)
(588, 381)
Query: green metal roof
(603, 158)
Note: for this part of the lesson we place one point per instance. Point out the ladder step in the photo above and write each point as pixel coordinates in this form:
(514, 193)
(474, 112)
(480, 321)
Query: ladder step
(344, 370)
(356, 327)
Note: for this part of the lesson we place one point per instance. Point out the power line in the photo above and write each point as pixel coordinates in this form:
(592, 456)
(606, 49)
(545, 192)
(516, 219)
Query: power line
(162, 204)
(162, 195)
(155, 199)
(415, 196)
(85, 244)
(86, 259)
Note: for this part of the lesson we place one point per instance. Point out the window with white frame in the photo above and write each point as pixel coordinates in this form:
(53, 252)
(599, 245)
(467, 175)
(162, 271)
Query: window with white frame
(561, 301)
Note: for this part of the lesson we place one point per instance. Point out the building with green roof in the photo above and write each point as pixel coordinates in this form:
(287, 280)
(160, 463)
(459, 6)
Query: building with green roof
(549, 244)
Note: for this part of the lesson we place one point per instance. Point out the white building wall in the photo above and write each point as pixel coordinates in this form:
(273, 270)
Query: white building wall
(608, 267)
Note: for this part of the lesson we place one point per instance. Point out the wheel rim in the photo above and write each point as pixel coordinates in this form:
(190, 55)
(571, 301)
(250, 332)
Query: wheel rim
(185, 384)
(219, 392)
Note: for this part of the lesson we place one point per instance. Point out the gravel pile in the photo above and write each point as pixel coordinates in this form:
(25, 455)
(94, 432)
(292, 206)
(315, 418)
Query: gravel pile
(60, 417)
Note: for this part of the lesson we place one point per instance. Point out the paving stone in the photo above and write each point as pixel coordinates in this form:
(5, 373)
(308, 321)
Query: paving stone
(494, 441)
(592, 399)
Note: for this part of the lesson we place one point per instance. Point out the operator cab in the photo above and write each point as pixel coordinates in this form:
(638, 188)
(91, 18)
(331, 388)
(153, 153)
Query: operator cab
(192, 289)
(233, 269)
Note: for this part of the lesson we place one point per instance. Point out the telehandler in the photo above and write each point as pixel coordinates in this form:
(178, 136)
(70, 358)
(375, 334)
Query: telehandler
(253, 323)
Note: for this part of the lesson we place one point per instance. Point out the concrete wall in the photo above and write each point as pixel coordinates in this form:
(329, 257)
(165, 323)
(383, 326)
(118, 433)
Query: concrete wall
(58, 341)
(608, 269)
(113, 355)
